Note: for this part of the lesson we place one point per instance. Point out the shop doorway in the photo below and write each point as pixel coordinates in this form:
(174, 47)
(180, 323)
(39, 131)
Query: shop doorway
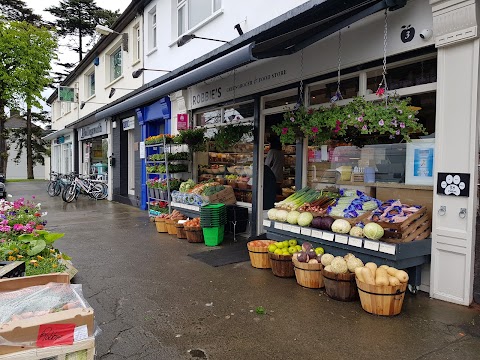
(131, 162)
(95, 157)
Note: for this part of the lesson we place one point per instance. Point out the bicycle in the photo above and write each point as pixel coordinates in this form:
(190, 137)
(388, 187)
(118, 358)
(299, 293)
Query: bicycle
(53, 184)
(96, 189)
(58, 183)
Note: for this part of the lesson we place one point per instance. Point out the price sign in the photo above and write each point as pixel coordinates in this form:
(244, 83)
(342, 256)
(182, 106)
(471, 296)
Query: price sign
(317, 234)
(388, 248)
(371, 245)
(278, 226)
(267, 223)
(357, 242)
(328, 236)
(295, 229)
(287, 227)
(306, 231)
(342, 239)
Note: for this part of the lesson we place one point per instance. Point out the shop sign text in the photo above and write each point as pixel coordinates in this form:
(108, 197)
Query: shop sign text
(96, 129)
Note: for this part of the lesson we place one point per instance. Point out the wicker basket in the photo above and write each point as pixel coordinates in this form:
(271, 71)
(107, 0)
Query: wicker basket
(171, 229)
(194, 234)
(308, 275)
(259, 256)
(160, 225)
(181, 234)
(381, 299)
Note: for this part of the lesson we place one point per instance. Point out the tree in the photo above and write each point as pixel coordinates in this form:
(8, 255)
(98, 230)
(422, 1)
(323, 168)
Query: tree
(26, 52)
(17, 10)
(79, 18)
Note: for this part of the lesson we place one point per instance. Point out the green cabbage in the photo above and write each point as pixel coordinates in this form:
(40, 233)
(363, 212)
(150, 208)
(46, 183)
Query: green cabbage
(305, 219)
(373, 231)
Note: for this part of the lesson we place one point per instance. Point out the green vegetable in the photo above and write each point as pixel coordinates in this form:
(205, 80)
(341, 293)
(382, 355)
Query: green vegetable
(373, 231)
(341, 226)
(305, 219)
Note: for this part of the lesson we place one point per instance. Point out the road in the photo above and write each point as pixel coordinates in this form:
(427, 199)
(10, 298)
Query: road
(153, 301)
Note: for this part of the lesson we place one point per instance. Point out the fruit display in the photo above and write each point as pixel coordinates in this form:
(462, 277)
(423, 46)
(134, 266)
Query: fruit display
(352, 204)
(341, 265)
(195, 222)
(286, 247)
(381, 275)
(393, 211)
(309, 254)
(261, 243)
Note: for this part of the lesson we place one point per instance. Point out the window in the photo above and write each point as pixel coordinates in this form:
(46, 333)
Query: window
(136, 42)
(193, 12)
(152, 28)
(116, 64)
(66, 107)
(90, 83)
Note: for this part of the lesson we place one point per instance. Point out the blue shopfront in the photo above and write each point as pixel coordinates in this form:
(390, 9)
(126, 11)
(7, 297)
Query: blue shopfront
(153, 119)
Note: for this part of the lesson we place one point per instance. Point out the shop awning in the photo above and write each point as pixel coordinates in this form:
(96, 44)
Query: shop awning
(56, 134)
(286, 34)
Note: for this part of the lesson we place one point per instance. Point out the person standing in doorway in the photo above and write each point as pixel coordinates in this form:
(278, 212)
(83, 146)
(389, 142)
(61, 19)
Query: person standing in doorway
(275, 161)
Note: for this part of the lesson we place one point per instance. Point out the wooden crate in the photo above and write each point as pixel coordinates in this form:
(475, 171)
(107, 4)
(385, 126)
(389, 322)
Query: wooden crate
(84, 350)
(417, 226)
(356, 220)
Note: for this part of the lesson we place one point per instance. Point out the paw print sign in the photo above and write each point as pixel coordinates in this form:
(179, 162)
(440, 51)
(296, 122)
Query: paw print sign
(456, 184)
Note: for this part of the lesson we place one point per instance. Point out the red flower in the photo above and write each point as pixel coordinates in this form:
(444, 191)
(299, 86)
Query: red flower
(310, 111)
(39, 227)
(315, 129)
(38, 214)
(284, 131)
(380, 92)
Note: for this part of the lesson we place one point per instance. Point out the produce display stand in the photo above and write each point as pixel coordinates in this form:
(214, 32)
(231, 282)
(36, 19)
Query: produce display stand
(410, 255)
(187, 210)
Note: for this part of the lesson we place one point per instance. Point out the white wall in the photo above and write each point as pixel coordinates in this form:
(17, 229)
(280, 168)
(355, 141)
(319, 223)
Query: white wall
(103, 84)
(19, 171)
(169, 57)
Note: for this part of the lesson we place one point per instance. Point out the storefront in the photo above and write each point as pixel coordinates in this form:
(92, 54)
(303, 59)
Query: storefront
(153, 120)
(400, 170)
(62, 151)
(94, 149)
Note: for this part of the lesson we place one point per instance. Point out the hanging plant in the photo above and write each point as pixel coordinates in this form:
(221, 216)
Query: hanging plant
(293, 125)
(228, 135)
(194, 138)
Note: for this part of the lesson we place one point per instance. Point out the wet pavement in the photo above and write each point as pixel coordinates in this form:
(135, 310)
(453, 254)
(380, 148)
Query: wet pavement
(153, 301)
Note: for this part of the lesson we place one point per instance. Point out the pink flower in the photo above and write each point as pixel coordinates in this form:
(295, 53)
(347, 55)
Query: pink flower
(397, 132)
(284, 131)
(17, 227)
(33, 197)
(360, 118)
(315, 129)
(5, 228)
(381, 122)
(364, 127)
(402, 125)
(292, 119)
(380, 92)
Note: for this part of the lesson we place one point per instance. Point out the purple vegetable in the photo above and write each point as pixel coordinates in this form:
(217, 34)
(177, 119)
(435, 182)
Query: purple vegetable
(302, 256)
(306, 247)
(323, 222)
(311, 254)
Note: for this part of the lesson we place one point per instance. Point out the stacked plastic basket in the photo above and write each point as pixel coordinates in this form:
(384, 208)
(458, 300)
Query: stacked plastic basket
(213, 218)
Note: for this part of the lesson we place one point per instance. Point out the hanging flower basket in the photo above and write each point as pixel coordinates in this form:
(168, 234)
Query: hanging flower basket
(194, 138)
(359, 122)
(229, 135)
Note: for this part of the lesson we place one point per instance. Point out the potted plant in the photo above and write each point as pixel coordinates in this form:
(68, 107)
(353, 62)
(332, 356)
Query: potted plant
(229, 135)
(194, 138)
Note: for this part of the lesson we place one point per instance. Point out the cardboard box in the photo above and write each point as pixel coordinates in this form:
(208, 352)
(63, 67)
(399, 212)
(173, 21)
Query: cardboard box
(226, 196)
(26, 330)
(27, 281)
(79, 350)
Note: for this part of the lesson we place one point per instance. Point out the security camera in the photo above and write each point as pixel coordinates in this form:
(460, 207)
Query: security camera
(426, 34)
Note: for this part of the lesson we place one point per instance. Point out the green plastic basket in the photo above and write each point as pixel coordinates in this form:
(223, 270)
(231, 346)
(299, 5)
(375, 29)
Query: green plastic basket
(213, 236)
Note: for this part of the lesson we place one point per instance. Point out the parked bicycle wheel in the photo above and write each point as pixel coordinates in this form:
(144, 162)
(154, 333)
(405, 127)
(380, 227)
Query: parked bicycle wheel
(52, 188)
(58, 188)
(99, 192)
(70, 193)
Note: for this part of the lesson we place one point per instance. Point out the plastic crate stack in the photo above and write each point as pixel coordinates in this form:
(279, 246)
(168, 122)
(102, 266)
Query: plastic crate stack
(213, 218)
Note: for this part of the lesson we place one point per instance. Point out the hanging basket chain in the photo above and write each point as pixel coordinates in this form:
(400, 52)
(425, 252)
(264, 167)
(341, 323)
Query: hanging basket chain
(300, 93)
(338, 93)
(383, 87)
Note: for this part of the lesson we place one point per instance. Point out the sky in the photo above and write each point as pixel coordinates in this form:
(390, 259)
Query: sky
(64, 54)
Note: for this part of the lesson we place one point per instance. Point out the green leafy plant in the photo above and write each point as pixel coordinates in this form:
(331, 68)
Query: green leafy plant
(229, 135)
(194, 138)
(39, 240)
